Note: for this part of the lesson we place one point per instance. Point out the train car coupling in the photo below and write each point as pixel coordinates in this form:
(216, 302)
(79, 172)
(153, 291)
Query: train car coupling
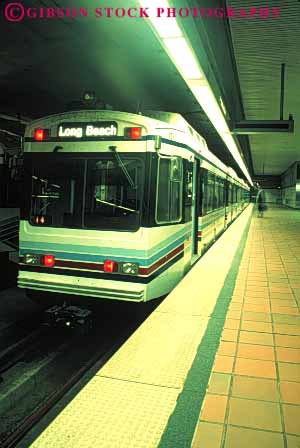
(68, 316)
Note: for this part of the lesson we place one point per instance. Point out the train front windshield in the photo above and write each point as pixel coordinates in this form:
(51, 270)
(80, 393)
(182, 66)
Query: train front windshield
(94, 193)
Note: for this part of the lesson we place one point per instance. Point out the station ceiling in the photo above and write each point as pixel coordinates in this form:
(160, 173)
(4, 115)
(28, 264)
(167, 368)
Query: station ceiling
(260, 47)
(47, 64)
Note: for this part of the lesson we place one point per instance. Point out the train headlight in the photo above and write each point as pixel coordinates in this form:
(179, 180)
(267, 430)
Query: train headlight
(31, 259)
(130, 268)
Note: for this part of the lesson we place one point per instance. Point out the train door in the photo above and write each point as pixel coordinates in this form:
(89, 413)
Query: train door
(234, 205)
(230, 208)
(196, 204)
(226, 202)
(189, 176)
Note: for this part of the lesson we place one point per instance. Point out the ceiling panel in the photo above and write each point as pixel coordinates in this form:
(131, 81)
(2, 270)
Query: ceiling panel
(261, 46)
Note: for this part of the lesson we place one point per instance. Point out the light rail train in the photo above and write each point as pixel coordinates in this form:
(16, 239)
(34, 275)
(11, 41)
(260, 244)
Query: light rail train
(118, 206)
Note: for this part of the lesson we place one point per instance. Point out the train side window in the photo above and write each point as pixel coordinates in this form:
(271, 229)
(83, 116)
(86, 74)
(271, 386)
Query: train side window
(216, 194)
(169, 190)
(209, 192)
(221, 192)
(229, 201)
(203, 174)
(226, 193)
(211, 198)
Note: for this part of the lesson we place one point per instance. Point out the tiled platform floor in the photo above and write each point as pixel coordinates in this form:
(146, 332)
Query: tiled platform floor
(253, 397)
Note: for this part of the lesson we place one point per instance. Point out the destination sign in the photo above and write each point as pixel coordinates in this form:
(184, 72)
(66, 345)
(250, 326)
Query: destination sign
(87, 129)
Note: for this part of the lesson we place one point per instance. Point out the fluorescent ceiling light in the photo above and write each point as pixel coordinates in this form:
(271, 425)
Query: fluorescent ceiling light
(165, 26)
(183, 57)
(208, 102)
(231, 145)
(187, 64)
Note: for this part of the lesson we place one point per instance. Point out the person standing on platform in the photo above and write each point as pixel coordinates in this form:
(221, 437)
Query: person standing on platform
(260, 204)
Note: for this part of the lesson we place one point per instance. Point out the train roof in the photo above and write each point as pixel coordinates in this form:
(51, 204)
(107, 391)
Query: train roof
(177, 120)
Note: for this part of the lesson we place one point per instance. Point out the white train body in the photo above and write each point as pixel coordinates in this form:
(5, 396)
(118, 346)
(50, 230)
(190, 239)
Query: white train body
(119, 206)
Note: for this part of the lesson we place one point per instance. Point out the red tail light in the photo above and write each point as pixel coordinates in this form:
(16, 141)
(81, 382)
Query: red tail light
(49, 261)
(110, 266)
(134, 133)
(41, 134)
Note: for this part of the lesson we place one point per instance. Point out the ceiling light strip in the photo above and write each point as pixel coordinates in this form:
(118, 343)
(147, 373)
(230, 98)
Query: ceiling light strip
(183, 57)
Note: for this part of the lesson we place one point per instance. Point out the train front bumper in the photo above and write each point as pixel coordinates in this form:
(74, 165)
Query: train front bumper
(90, 287)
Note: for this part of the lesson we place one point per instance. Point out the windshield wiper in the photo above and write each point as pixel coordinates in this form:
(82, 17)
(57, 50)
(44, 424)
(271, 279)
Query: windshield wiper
(46, 195)
(45, 181)
(41, 210)
(122, 166)
(116, 205)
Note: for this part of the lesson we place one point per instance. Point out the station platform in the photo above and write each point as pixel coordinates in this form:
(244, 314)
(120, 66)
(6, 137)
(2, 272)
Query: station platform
(216, 365)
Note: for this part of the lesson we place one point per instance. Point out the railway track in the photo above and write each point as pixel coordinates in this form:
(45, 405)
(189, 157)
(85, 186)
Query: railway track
(45, 365)
(14, 332)
(15, 352)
